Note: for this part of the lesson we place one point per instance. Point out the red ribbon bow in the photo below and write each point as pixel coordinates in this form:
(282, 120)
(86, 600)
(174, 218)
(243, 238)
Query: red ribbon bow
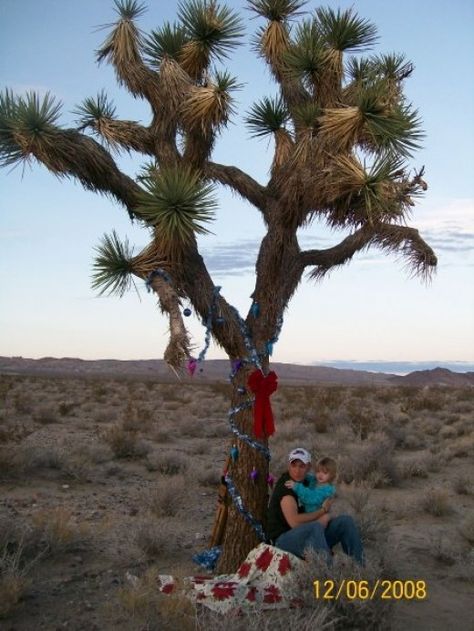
(263, 387)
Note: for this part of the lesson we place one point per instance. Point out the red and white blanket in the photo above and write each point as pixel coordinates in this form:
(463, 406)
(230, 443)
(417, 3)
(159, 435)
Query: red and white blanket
(264, 579)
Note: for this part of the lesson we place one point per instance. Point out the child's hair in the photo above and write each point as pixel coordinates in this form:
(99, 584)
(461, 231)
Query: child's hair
(329, 465)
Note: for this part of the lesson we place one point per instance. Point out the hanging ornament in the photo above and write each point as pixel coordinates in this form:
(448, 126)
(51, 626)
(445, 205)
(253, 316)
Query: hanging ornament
(270, 480)
(236, 365)
(269, 347)
(220, 320)
(241, 390)
(254, 475)
(191, 366)
(255, 309)
(187, 312)
(234, 453)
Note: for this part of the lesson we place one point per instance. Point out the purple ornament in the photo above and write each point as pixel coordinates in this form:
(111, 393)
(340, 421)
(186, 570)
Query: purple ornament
(236, 365)
(191, 366)
(270, 480)
(254, 475)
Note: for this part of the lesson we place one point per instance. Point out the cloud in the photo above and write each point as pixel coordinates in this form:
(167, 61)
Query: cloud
(449, 226)
(231, 259)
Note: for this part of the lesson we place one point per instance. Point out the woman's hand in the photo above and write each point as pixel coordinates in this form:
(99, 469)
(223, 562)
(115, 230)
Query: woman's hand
(326, 505)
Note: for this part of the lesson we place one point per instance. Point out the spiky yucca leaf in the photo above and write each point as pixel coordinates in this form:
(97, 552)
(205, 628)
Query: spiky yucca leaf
(129, 9)
(112, 266)
(306, 120)
(210, 107)
(24, 120)
(266, 117)
(359, 195)
(213, 31)
(271, 43)
(340, 128)
(305, 58)
(344, 30)
(167, 41)
(392, 66)
(307, 115)
(278, 10)
(397, 129)
(177, 203)
(92, 110)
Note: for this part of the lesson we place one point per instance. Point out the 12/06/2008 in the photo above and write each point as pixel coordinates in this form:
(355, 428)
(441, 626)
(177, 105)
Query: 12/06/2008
(365, 590)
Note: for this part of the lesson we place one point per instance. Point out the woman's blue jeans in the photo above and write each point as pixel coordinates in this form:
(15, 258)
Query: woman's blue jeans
(341, 529)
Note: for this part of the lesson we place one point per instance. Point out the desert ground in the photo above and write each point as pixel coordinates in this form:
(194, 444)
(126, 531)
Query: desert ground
(106, 482)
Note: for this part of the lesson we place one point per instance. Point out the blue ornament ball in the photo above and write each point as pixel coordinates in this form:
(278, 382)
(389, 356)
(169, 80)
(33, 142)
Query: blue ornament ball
(187, 312)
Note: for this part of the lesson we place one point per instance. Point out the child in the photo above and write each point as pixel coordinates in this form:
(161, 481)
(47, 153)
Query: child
(320, 485)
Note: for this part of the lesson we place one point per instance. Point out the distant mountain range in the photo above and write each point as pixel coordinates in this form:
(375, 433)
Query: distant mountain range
(397, 367)
(218, 370)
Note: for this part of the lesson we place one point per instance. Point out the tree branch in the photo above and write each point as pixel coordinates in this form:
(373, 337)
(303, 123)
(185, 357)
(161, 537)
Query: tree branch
(178, 349)
(122, 50)
(238, 181)
(402, 239)
(72, 154)
(127, 135)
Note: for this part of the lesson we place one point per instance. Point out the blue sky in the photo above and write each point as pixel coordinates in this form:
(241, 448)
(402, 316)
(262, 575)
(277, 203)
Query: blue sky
(371, 309)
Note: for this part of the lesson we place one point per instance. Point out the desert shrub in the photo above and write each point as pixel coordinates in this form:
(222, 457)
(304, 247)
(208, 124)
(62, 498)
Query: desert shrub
(258, 619)
(167, 463)
(14, 579)
(448, 432)
(33, 457)
(415, 468)
(148, 608)
(217, 428)
(59, 532)
(386, 395)
(66, 407)
(358, 496)
(362, 420)
(436, 502)
(466, 527)
(462, 485)
(46, 414)
(372, 524)
(105, 415)
(167, 496)
(320, 421)
(125, 443)
(13, 432)
(431, 399)
(372, 461)
(396, 434)
(23, 403)
(444, 551)
(204, 474)
(156, 536)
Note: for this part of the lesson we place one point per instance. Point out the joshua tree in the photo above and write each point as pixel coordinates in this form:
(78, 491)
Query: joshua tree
(342, 132)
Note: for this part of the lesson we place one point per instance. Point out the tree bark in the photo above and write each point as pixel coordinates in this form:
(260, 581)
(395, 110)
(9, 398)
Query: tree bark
(240, 537)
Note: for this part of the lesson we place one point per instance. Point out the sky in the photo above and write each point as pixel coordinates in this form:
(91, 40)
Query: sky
(371, 309)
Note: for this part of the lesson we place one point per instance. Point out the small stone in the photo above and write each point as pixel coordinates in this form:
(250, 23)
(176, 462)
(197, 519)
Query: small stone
(65, 486)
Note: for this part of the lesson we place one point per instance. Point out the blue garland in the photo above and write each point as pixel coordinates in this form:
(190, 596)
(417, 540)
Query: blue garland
(247, 515)
(208, 323)
(157, 272)
(245, 437)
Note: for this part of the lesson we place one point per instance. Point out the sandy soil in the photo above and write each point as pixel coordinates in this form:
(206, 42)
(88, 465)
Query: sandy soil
(102, 479)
